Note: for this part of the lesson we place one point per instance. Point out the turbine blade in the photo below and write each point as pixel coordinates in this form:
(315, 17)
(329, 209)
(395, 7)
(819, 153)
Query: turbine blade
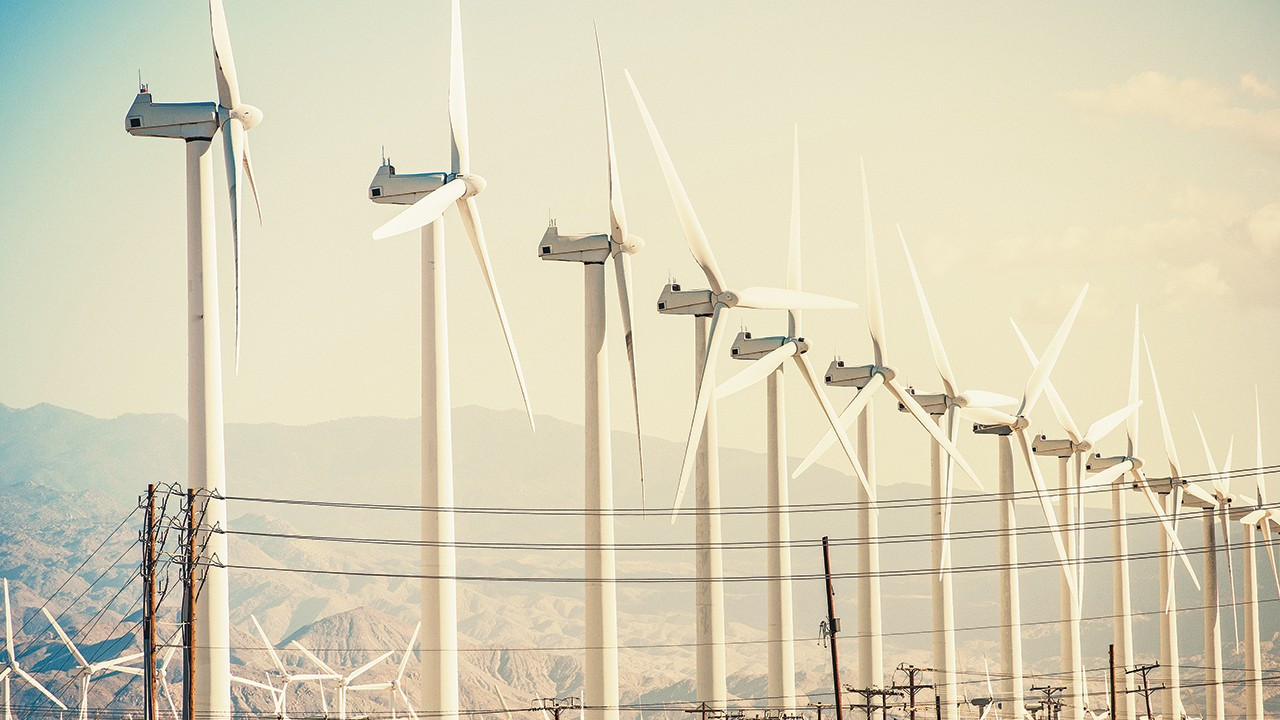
(75, 652)
(847, 416)
(506, 709)
(932, 428)
(1213, 466)
(875, 303)
(460, 145)
(935, 340)
(8, 626)
(423, 212)
(988, 416)
(811, 379)
(763, 298)
(987, 399)
(1107, 476)
(1042, 494)
(1166, 524)
(948, 479)
(36, 684)
(622, 268)
(224, 65)
(312, 656)
(1039, 376)
(793, 237)
(248, 175)
(275, 658)
(1174, 465)
(758, 370)
(233, 146)
(1257, 473)
(253, 683)
(693, 233)
(1201, 494)
(1131, 423)
(617, 214)
(1224, 513)
(705, 392)
(1055, 401)
(471, 221)
(407, 705)
(368, 666)
(1102, 427)
(408, 651)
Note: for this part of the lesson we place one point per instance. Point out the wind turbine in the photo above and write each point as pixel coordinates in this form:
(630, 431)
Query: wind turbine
(12, 667)
(1071, 453)
(164, 681)
(1217, 506)
(428, 196)
(396, 687)
(286, 677)
(714, 303)
(344, 681)
(1262, 518)
(197, 124)
(600, 684)
(277, 694)
(90, 669)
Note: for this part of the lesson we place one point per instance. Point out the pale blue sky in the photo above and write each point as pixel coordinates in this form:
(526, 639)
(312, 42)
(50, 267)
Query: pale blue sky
(1024, 148)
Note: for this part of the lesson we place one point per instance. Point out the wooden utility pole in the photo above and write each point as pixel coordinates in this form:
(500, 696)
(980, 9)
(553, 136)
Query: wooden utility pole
(912, 687)
(1146, 691)
(833, 625)
(1111, 677)
(149, 606)
(189, 612)
(1051, 705)
(819, 707)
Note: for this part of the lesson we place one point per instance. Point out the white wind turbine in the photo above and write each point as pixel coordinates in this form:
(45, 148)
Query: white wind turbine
(287, 678)
(600, 684)
(715, 303)
(1261, 519)
(1071, 453)
(428, 196)
(197, 124)
(396, 686)
(12, 667)
(344, 681)
(118, 664)
(164, 681)
(276, 694)
(1217, 506)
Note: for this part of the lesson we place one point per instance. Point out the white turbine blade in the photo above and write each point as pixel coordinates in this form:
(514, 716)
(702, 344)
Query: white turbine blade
(233, 146)
(66, 640)
(270, 648)
(471, 221)
(253, 683)
(407, 705)
(758, 370)
(459, 143)
(1042, 494)
(1257, 472)
(168, 696)
(617, 214)
(988, 416)
(875, 303)
(1201, 494)
(224, 65)
(935, 340)
(1168, 526)
(373, 686)
(408, 652)
(622, 267)
(36, 684)
(1055, 401)
(693, 232)
(312, 657)
(1254, 517)
(932, 428)
(1040, 375)
(1269, 539)
(1224, 513)
(1208, 456)
(1226, 466)
(705, 393)
(122, 660)
(763, 298)
(987, 399)
(368, 666)
(324, 701)
(1174, 465)
(1131, 423)
(948, 481)
(1107, 476)
(8, 626)
(793, 237)
(986, 669)
(423, 212)
(502, 699)
(847, 416)
(811, 379)
(1102, 427)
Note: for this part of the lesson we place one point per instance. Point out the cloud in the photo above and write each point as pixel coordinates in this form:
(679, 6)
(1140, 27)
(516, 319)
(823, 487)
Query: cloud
(1264, 228)
(1193, 104)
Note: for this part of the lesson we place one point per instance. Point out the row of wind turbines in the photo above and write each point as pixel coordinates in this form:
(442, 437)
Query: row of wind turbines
(428, 195)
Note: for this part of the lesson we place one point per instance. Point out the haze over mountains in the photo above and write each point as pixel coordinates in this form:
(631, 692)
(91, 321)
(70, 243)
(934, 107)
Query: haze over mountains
(67, 480)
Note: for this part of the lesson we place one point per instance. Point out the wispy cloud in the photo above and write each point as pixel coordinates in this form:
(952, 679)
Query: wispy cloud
(1196, 104)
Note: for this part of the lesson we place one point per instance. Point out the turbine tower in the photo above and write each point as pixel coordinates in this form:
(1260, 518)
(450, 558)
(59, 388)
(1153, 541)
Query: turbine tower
(1260, 519)
(714, 303)
(197, 124)
(428, 195)
(600, 684)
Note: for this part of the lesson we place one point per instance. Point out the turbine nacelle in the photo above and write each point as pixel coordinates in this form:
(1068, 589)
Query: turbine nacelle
(857, 376)
(1042, 445)
(390, 188)
(933, 403)
(675, 301)
(746, 347)
(185, 121)
(583, 248)
(1096, 462)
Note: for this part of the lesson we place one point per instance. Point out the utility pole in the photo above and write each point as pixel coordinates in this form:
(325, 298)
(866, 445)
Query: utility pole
(1146, 691)
(149, 606)
(559, 705)
(869, 695)
(818, 706)
(912, 687)
(1051, 704)
(833, 625)
(1111, 677)
(189, 611)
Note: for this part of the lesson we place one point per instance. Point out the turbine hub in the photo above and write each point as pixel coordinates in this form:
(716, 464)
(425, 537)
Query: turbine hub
(248, 115)
(632, 245)
(475, 183)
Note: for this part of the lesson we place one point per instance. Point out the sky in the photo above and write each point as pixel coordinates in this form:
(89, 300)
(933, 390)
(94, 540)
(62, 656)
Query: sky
(1023, 149)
